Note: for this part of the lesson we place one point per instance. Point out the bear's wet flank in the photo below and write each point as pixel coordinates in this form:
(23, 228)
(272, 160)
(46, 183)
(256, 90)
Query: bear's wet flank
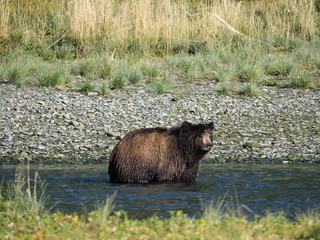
(161, 154)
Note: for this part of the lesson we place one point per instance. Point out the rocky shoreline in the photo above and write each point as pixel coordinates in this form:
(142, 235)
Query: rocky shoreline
(52, 126)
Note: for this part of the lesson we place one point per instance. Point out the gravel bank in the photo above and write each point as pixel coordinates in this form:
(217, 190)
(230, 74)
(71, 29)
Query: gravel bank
(55, 126)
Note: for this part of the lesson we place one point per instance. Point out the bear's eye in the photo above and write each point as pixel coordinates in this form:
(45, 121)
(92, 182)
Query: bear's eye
(199, 138)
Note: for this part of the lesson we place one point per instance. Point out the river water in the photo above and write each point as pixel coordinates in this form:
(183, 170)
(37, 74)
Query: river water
(252, 188)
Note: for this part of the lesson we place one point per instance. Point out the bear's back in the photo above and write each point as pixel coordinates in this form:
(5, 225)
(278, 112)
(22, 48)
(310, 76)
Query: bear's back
(143, 154)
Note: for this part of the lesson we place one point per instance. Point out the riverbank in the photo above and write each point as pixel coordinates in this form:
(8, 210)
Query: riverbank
(53, 126)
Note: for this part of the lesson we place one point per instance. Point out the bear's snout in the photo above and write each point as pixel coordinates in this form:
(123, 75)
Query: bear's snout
(210, 145)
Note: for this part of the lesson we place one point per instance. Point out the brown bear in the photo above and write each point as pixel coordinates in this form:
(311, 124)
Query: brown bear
(161, 154)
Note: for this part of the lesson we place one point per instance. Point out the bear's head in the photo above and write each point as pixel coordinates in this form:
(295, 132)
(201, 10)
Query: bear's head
(198, 135)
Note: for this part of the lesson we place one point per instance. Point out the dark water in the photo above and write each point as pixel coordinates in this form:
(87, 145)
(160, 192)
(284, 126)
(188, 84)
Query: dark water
(254, 188)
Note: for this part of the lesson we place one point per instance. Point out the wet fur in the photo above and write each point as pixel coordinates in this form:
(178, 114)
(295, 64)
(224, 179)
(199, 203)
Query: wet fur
(159, 154)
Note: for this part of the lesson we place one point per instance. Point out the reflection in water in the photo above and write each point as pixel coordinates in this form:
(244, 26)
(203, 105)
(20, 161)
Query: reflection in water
(288, 188)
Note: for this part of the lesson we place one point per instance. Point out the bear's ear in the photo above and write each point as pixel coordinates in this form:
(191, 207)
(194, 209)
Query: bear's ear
(211, 125)
(186, 125)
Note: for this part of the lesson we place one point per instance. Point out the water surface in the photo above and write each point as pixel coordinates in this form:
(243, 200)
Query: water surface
(254, 188)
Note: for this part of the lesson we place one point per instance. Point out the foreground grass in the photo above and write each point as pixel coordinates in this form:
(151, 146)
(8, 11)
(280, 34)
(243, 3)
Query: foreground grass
(22, 216)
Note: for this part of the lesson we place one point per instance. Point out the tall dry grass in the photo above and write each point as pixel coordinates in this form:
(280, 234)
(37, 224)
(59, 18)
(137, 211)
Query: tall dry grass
(4, 18)
(125, 21)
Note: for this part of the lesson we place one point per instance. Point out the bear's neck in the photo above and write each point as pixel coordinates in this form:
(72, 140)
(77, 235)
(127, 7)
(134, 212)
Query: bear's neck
(191, 154)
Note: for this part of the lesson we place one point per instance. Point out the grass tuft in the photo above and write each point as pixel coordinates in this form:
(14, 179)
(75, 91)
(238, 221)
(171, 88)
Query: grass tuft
(249, 89)
(118, 80)
(163, 86)
(15, 76)
(135, 75)
(151, 69)
(301, 80)
(104, 69)
(103, 88)
(248, 72)
(82, 68)
(222, 90)
(280, 67)
(50, 80)
(222, 74)
(86, 86)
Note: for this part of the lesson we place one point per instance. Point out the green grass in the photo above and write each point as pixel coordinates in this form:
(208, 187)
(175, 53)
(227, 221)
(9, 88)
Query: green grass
(50, 80)
(151, 69)
(248, 72)
(25, 68)
(86, 86)
(163, 85)
(103, 90)
(104, 68)
(269, 83)
(83, 68)
(183, 61)
(59, 59)
(222, 90)
(279, 67)
(15, 76)
(135, 75)
(118, 80)
(222, 74)
(301, 80)
(249, 89)
(23, 216)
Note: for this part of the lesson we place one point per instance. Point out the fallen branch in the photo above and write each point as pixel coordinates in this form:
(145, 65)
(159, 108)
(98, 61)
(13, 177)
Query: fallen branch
(229, 26)
(63, 36)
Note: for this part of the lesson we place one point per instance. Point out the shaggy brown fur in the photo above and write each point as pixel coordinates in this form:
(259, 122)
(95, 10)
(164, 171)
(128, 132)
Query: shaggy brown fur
(160, 154)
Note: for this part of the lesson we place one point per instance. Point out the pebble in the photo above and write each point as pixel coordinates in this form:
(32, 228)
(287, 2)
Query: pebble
(280, 125)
